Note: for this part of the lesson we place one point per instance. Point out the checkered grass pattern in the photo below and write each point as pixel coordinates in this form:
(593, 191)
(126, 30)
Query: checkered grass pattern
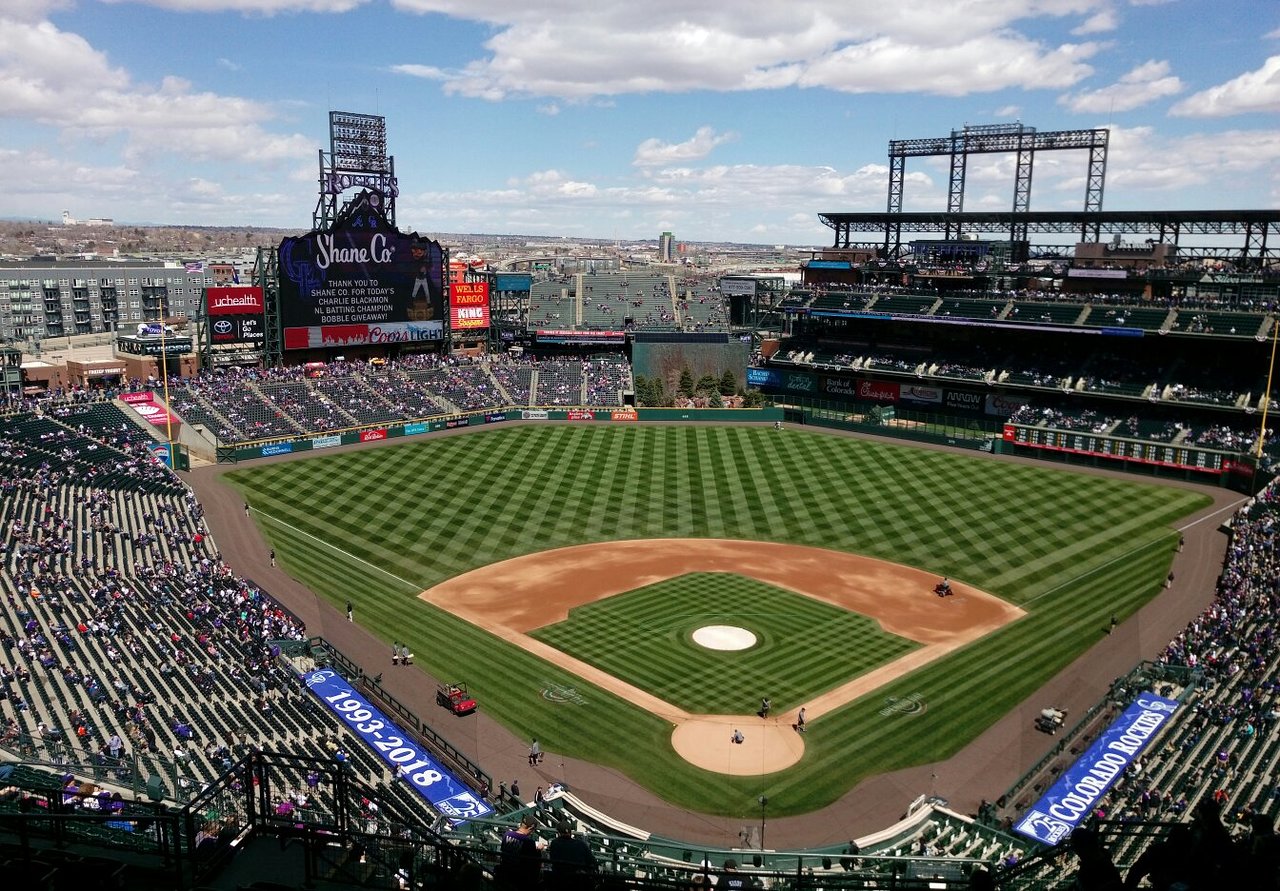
(645, 638)
(1073, 549)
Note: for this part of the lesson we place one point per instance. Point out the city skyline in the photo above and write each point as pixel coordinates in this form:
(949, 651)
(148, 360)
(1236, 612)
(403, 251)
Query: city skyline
(715, 122)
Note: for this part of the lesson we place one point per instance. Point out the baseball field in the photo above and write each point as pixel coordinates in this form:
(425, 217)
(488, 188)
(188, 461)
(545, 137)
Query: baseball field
(382, 526)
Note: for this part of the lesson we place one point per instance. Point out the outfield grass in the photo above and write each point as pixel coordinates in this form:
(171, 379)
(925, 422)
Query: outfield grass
(803, 646)
(1072, 549)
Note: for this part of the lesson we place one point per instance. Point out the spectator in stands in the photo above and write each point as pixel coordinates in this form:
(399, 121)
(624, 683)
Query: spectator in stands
(572, 863)
(520, 861)
(1097, 872)
(731, 879)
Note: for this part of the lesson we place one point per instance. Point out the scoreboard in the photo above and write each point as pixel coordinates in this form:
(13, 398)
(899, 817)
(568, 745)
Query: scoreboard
(1079, 442)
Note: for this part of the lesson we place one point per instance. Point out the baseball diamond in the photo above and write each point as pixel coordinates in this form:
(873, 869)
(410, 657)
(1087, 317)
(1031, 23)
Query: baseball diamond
(379, 526)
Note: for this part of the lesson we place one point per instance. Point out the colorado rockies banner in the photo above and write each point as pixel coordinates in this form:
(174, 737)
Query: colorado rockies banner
(423, 773)
(1072, 798)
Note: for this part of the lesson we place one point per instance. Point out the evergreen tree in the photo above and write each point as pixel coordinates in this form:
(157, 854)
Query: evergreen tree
(728, 383)
(686, 383)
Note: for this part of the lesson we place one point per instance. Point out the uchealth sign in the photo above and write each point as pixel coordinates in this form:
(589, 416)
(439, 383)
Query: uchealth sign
(239, 301)
(151, 412)
(1071, 800)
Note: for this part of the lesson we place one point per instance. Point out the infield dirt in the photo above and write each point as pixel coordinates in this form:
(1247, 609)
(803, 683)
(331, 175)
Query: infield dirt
(516, 596)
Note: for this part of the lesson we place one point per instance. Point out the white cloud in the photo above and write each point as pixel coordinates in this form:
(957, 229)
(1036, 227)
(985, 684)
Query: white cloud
(1008, 112)
(569, 50)
(56, 79)
(726, 198)
(1250, 93)
(1149, 81)
(1272, 35)
(654, 151)
(258, 7)
(38, 179)
(426, 72)
(1140, 159)
(1098, 23)
(226, 63)
(38, 173)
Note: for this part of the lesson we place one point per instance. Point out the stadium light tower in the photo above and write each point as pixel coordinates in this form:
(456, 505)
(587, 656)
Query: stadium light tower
(1016, 138)
(357, 159)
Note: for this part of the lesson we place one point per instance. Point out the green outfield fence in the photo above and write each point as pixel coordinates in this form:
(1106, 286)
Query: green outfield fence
(899, 423)
(233, 453)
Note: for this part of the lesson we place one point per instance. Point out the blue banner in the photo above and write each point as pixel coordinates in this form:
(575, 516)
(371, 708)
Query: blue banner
(160, 451)
(763, 377)
(422, 772)
(277, 448)
(415, 428)
(1072, 798)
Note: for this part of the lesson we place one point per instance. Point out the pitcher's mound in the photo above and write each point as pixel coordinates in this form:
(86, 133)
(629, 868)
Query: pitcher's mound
(706, 741)
(724, 637)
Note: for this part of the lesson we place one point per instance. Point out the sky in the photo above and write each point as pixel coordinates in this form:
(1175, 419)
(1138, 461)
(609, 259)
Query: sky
(718, 120)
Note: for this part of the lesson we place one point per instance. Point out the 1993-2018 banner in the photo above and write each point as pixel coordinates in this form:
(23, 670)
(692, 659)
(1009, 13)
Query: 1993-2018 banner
(446, 793)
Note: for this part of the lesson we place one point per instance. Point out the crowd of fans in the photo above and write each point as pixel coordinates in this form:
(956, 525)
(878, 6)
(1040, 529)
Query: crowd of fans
(1212, 772)
(119, 604)
(245, 404)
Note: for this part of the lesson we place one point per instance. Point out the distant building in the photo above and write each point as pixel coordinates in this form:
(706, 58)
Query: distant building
(59, 298)
(666, 248)
(69, 220)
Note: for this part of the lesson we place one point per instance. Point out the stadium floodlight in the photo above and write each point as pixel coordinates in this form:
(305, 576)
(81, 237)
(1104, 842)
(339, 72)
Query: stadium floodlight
(358, 142)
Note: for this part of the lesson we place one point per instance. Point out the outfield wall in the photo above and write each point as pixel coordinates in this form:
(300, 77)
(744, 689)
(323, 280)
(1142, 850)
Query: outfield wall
(248, 451)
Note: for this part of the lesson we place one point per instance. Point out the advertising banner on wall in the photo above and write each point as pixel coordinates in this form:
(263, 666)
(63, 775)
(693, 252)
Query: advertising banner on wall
(1003, 406)
(469, 306)
(235, 316)
(513, 281)
(421, 771)
(959, 400)
(738, 287)
(1081, 786)
(360, 282)
(878, 391)
(152, 412)
(920, 393)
